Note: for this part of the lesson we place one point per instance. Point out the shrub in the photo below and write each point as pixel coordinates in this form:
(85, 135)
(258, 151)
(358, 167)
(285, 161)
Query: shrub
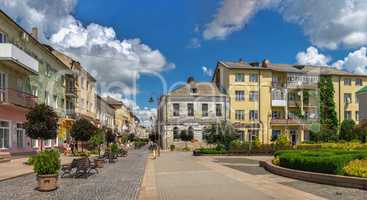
(235, 145)
(282, 142)
(356, 168)
(47, 162)
(220, 147)
(82, 154)
(30, 160)
(172, 147)
(211, 151)
(322, 161)
(308, 146)
(276, 161)
(347, 130)
(114, 149)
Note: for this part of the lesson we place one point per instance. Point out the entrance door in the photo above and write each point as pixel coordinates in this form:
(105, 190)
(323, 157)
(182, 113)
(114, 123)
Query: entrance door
(293, 134)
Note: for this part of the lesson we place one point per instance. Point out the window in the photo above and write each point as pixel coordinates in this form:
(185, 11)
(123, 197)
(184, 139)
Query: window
(275, 79)
(253, 95)
(47, 98)
(291, 96)
(176, 109)
(254, 115)
(347, 98)
(47, 143)
(3, 85)
(239, 77)
(275, 134)
(176, 134)
(240, 115)
(253, 134)
(357, 115)
(347, 81)
(240, 95)
(190, 109)
(347, 115)
(359, 82)
(204, 109)
(56, 102)
(253, 78)
(20, 85)
(3, 38)
(34, 143)
(356, 98)
(218, 110)
(194, 90)
(4, 134)
(82, 82)
(20, 135)
(275, 115)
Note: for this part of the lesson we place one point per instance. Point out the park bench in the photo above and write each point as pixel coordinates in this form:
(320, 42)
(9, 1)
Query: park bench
(68, 168)
(84, 167)
(122, 153)
(110, 157)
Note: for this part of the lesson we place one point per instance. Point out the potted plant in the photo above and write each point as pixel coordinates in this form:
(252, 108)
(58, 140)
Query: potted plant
(47, 165)
(96, 141)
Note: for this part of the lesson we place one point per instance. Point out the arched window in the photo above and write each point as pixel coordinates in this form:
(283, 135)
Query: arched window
(190, 133)
(176, 134)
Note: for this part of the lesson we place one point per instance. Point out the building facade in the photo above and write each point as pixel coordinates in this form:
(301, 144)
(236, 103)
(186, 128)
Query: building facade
(270, 99)
(106, 107)
(191, 107)
(28, 70)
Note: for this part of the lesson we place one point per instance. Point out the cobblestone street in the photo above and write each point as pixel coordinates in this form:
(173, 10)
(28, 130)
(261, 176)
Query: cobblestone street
(120, 180)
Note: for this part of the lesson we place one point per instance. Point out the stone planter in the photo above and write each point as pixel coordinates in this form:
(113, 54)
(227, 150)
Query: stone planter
(47, 182)
(196, 153)
(99, 162)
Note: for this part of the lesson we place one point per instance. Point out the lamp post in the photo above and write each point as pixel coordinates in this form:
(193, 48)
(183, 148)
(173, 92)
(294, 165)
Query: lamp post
(151, 101)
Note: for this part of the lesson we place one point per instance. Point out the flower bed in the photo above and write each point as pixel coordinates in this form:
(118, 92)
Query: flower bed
(321, 161)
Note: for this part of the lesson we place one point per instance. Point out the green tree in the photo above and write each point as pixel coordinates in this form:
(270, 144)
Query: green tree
(328, 117)
(347, 130)
(221, 133)
(82, 130)
(41, 123)
(110, 136)
(97, 140)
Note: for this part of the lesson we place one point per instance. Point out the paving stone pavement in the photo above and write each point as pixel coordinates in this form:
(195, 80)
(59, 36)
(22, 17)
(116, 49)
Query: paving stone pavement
(326, 191)
(120, 180)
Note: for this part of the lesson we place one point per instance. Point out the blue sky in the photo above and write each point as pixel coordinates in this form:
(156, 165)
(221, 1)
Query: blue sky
(170, 25)
(176, 39)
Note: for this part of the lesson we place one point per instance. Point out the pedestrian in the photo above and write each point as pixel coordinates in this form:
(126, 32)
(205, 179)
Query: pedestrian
(154, 148)
(65, 148)
(72, 146)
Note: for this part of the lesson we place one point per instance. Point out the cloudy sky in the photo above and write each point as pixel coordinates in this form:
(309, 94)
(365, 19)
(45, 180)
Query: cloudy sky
(138, 49)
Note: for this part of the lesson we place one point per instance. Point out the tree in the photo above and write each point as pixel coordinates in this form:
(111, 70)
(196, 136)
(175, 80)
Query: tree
(110, 136)
(220, 133)
(82, 130)
(41, 123)
(328, 117)
(347, 130)
(97, 140)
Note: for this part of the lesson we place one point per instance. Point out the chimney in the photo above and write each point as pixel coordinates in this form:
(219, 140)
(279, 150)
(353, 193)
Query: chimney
(35, 33)
(241, 61)
(265, 63)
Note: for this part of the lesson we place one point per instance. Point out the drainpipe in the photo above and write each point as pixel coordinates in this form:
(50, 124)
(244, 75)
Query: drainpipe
(259, 107)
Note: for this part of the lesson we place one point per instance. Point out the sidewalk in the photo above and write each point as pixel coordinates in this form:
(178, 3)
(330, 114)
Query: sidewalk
(177, 175)
(16, 167)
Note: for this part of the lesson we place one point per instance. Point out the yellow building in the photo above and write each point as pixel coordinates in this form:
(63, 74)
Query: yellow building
(123, 119)
(267, 99)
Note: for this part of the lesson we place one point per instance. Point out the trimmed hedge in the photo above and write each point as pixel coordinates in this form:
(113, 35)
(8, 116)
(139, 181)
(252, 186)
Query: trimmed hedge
(321, 161)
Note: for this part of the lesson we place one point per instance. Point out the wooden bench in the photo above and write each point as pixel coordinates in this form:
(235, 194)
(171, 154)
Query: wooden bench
(83, 167)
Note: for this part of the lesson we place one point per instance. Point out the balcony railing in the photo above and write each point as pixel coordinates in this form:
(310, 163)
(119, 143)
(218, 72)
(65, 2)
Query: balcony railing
(278, 97)
(10, 52)
(71, 91)
(16, 97)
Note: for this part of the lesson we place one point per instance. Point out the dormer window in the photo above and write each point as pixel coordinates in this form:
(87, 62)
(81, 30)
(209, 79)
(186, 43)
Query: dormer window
(194, 90)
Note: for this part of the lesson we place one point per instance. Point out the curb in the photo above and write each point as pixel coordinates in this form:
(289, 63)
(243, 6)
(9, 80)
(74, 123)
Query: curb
(328, 179)
(17, 176)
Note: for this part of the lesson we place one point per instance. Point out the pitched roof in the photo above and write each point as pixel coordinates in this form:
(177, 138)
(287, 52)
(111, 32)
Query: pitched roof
(202, 89)
(290, 68)
(362, 90)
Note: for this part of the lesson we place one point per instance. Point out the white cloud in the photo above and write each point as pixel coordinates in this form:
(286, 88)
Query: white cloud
(312, 57)
(116, 64)
(232, 16)
(207, 71)
(194, 43)
(328, 23)
(355, 61)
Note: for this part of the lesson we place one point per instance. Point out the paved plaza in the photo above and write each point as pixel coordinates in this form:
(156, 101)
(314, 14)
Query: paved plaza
(178, 175)
(120, 180)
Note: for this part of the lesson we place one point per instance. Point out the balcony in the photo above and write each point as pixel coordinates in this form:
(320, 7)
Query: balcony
(12, 96)
(71, 91)
(11, 54)
(278, 97)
